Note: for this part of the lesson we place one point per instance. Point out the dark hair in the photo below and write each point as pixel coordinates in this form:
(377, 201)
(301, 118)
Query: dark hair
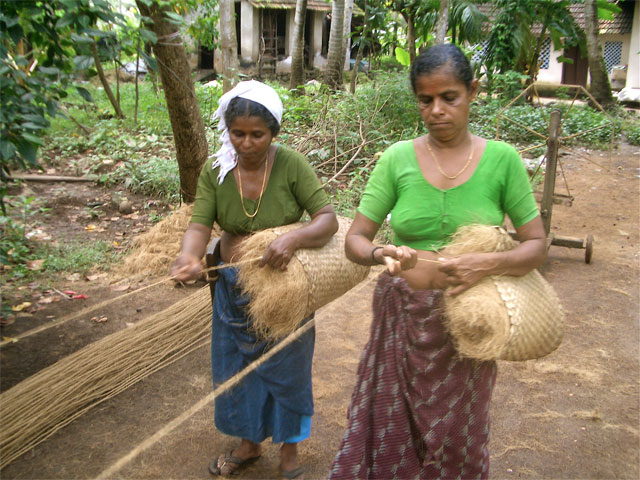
(242, 107)
(438, 56)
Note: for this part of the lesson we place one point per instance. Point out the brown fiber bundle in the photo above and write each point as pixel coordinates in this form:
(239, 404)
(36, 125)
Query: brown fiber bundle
(315, 276)
(155, 250)
(502, 317)
(39, 406)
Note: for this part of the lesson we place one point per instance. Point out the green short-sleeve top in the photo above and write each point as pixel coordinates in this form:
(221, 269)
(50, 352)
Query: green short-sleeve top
(424, 217)
(292, 188)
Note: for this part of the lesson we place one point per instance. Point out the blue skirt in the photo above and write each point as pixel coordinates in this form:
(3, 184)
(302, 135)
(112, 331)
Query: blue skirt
(276, 399)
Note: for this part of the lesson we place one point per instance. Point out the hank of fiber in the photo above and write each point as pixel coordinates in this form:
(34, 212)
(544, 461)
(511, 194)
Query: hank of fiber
(39, 406)
(502, 317)
(280, 300)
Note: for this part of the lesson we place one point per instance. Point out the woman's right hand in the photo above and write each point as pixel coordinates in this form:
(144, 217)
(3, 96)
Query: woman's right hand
(397, 259)
(186, 267)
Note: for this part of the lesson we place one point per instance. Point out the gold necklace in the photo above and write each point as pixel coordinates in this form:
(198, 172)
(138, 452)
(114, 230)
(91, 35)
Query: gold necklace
(450, 177)
(264, 181)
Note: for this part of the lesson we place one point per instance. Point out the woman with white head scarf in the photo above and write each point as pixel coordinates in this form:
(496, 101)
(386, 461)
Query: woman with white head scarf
(254, 184)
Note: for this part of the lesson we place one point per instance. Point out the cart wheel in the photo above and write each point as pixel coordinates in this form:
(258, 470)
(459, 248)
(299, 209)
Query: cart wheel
(588, 249)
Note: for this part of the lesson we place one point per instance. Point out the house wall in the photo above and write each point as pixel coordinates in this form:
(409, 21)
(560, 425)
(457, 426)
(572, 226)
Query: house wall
(553, 74)
(249, 39)
(633, 70)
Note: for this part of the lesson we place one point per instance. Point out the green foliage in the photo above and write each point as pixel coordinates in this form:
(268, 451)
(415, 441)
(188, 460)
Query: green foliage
(633, 134)
(506, 86)
(154, 176)
(78, 257)
(13, 242)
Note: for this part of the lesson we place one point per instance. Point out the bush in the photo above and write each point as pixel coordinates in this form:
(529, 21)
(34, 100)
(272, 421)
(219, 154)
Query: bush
(633, 135)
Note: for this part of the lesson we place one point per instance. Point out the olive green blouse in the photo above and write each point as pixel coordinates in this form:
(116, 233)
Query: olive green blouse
(292, 188)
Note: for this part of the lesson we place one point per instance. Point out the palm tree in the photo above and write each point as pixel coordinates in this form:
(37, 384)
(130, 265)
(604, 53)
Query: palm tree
(297, 52)
(335, 62)
(443, 21)
(600, 86)
(346, 32)
(228, 44)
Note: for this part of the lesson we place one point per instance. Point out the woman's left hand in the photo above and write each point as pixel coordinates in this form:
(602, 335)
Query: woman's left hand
(464, 271)
(280, 251)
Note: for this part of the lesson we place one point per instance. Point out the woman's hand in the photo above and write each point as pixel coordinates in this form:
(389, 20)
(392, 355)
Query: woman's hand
(464, 271)
(186, 267)
(397, 259)
(279, 252)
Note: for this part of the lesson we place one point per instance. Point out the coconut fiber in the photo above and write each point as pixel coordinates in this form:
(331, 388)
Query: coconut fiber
(502, 316)
(280, 300)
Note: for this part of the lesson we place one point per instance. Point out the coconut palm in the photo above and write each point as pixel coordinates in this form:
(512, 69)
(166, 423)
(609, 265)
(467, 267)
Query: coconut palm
(335, 65)
(297, 52)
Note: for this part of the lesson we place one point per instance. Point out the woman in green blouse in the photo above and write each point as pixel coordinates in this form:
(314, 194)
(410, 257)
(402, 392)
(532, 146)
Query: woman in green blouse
(418, 410)
(252, 185)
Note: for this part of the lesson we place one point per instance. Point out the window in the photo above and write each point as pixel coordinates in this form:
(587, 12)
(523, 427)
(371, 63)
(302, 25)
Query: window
(545, 51)
(612, 54)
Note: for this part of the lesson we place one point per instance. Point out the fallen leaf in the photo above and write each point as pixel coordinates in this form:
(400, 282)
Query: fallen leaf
(68, 292)
(45, 300)
(623, 233)
(121, 288)
(100, 319)
(35, 264)
(80, 296)
(9, 339)
(90, 227)
(21, 307)
(114, 219)
(91, 278)
(74, 277)
(129, 324)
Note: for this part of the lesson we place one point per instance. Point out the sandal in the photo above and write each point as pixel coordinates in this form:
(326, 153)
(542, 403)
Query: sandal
(234, 463)
(291, 474)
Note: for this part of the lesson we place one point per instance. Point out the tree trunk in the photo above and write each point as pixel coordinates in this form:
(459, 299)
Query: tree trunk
(600, 86)
(228, 44)
(182, 104)
(411, 38)
(333, 75)
(361, 46)
(346, 32)
(443, 22)
(105, 83)
(297, 53)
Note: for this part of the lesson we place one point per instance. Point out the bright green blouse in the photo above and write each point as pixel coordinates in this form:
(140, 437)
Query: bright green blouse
(292, 188)
(424, 217)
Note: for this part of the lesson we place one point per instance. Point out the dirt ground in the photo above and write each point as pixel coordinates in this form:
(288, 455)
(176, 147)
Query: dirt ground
(571, 415)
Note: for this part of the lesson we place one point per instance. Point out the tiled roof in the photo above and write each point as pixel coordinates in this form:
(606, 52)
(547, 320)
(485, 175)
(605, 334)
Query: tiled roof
(320, 5)
(622, 22)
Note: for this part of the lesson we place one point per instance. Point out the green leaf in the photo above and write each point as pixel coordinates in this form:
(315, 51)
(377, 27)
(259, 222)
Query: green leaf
(32, 138)
(82, 62)
(7, 149)
(151, 62)
(49, 70)
(174, 18)
(148, 35)
(27, 150)
(402, 56)
(81, 39)
(85, 94)
(67, 20)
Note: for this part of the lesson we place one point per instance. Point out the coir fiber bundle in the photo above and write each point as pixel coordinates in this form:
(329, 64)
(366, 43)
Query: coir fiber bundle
(502, 317)
(155, 250)
(39, 406)
(280, 300)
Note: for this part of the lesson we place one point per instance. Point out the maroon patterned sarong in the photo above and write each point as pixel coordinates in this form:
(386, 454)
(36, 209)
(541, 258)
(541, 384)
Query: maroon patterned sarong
(417, 410)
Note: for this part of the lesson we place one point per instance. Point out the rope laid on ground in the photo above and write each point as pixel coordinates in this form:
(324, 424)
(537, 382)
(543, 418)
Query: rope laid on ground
(150, 441)
(103, 304)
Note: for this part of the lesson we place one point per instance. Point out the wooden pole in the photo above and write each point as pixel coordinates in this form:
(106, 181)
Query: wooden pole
(546, 206)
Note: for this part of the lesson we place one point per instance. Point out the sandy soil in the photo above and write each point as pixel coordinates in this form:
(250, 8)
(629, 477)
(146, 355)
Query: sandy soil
(573, 414)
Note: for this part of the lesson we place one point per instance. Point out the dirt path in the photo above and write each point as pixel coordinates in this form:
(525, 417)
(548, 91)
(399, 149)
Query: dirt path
(574, 414)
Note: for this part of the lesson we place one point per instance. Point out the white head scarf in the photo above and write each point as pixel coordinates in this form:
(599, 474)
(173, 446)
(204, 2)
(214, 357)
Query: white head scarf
(226, 157)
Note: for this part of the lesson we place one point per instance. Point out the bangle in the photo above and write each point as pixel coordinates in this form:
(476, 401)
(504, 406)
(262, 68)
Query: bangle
(373, 252)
